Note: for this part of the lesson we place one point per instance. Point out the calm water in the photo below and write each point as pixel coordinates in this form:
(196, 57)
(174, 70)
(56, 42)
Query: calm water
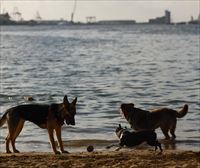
(151, 66)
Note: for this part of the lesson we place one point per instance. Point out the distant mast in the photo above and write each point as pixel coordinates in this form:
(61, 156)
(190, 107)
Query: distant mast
(38, 18)
(73, 12)
(16, 15)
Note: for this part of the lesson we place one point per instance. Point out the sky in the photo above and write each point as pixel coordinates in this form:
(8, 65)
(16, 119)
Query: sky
(139, 10)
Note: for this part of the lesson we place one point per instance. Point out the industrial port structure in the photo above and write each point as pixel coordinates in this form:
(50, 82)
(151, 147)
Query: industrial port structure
(6, 19)
(166, 19)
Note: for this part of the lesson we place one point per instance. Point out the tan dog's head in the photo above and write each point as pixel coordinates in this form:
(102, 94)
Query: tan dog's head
(69, 111)
(126, 109)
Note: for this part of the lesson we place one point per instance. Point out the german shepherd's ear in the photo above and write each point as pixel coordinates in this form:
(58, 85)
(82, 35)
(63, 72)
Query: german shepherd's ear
(74, 101)
(120, 126)
(65, 100)
(132, 104)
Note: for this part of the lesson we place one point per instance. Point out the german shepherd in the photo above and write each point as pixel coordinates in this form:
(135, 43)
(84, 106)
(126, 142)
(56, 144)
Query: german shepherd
(131, 139)
(50, 117)
(164, 118)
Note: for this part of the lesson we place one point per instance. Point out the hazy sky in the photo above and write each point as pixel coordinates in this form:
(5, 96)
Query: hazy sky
(139, 10)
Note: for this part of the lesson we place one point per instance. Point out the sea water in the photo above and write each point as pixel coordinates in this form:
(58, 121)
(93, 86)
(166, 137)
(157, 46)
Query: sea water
(152, 66)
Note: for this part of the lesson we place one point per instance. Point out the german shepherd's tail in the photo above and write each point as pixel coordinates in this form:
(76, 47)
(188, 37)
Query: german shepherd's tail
(182, 112)
(3, 119)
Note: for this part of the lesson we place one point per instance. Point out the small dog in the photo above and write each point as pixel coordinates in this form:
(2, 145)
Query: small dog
(131, 139)
(164, 118)
(50, 117)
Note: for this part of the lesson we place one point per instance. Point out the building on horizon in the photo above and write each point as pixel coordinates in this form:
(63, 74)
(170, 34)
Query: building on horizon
(116, 22)
(196, 21)
(4, 18)
(166, 19)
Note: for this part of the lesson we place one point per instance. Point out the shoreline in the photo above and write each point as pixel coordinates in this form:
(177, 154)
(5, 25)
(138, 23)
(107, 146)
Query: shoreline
(123, 158)
(80, 145)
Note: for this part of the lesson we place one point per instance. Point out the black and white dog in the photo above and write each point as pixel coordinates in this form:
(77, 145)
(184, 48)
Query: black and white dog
(131, 139)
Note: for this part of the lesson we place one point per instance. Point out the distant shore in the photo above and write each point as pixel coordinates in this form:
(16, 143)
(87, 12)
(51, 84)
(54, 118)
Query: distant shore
(68, 23)
(125, 158)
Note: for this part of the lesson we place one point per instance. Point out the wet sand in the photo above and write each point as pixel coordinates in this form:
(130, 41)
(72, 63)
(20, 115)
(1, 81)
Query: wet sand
(124, 158)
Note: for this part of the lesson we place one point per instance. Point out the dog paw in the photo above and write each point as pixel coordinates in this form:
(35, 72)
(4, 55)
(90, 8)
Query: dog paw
(160, 153)
(167, 138)
(57, 152)
(16, 151)
(118, 149)
(65, 151)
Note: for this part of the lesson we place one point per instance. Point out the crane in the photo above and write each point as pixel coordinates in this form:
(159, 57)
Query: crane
(73, 11)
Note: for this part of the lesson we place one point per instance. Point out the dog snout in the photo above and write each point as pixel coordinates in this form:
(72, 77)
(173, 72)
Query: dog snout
(70, 121)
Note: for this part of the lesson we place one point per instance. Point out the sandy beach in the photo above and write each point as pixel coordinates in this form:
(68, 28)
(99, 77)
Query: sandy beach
(124, 159)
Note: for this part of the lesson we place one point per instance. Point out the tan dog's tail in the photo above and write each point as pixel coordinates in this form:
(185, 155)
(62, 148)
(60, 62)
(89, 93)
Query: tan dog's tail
(182, 112)
(3, 119)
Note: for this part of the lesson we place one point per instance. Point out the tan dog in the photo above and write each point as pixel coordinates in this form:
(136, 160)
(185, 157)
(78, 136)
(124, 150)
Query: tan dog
(50, 117)
(149, 120)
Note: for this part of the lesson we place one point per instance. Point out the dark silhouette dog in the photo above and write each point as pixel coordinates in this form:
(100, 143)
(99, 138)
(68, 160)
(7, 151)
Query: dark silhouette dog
(131, 139)
(164, 118)
(50, 117)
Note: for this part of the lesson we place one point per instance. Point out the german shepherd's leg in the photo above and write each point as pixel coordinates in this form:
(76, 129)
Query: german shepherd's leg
(7, 144)
(13, 122)
(172, 129)
(53, 145)
(59, 138)
(15, 135)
